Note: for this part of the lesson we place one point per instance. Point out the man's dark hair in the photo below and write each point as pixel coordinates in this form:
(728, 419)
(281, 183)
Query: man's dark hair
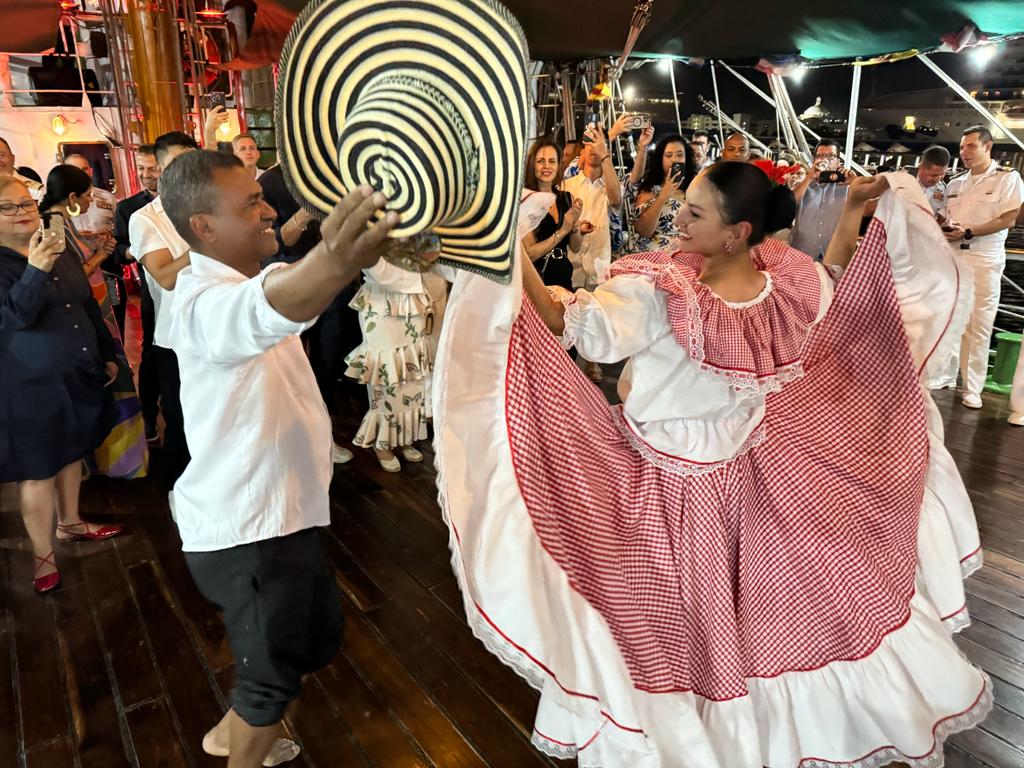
(984, 134)
(187, 187)
(700, 135)
(146, 149)
(935, 155)
(826, 143)
(168, 141)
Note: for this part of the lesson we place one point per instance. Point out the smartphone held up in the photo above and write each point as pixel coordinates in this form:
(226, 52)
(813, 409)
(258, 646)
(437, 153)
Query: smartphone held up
(53, 222)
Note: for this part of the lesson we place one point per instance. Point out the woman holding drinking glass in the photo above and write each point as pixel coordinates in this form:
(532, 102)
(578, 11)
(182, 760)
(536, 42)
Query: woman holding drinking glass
(58, 359)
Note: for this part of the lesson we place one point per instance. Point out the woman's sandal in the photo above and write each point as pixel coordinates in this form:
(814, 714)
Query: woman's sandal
(100, 534)
(50, 580)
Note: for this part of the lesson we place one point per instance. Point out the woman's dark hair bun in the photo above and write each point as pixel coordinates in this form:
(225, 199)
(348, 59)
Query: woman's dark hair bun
(748, 195)
(780, 209)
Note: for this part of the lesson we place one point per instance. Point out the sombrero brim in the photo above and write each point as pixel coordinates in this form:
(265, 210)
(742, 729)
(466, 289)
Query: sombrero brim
(473, 50)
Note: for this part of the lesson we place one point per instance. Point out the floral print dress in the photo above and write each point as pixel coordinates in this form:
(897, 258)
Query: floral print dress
(666, 231)
(400, 315)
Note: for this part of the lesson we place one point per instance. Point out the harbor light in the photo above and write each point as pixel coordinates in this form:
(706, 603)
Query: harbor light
(798, 74)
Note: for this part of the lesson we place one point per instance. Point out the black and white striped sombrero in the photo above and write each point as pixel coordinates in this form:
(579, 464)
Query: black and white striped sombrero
(426, 100)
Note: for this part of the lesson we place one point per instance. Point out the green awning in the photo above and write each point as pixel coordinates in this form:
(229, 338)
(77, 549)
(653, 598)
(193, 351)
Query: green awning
(742, 29)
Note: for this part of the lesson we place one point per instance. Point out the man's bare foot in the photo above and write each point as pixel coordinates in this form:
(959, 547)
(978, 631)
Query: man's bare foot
(217, 743)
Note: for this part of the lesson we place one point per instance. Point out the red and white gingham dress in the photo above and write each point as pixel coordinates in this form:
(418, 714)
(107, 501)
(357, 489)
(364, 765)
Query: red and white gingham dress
(771, 610)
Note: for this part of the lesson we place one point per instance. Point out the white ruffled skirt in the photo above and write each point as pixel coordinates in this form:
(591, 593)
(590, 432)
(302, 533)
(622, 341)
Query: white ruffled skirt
(564, 581)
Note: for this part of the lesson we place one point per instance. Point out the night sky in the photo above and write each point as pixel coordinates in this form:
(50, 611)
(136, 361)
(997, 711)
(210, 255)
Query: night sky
(832, 84)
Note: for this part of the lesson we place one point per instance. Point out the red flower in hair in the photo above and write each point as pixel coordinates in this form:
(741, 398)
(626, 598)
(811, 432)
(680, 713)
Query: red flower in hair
(776, 173)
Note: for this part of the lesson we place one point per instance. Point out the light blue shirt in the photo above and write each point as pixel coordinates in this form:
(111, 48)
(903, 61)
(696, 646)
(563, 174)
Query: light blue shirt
(817, 218)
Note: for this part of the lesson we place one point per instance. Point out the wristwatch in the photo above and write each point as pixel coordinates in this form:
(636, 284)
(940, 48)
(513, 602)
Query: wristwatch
(968, 234)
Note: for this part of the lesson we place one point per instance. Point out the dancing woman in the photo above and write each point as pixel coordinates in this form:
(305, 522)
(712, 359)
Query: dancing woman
(757, 559)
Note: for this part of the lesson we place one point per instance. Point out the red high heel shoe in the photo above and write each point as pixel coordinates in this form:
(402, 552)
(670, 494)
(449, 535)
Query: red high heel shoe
(50, 580)
(101, 533)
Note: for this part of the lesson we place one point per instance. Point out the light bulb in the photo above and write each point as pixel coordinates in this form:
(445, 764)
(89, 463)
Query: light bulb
(983, 54)
(58, 126)
(798, 74)
(665, 65)
(225, 128)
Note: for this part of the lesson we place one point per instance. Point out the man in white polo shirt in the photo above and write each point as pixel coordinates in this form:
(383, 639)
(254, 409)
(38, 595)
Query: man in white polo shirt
(249, 503)
(163, 253)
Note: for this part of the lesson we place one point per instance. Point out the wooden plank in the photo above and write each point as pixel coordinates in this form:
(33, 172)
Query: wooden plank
(325, 739)
(1010, 698)
(427, 564)
(982, 610)
(476, 716)
(1001, 562)
(995, 640)
(38, 661)
(1006, 725)
(187, 681)
(995, 594)
(57, 753)
(158, 540)
(352, 580)
(123, 632)
(957, 758)
(154, 737)
(391, 682)
(992, 662)
(8, 709)
(377, 734)
(431, 619)
(450, 596)
(1014, 585)
(94, 716)
(990, 749)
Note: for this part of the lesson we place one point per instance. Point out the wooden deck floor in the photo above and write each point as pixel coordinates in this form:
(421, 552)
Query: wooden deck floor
(127, 665)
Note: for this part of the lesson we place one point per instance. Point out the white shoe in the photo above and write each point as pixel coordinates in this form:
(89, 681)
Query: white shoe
(170, 503)
(389, 465)
(972, 401)
(340, 455)
(411, 454)
(1017, 419)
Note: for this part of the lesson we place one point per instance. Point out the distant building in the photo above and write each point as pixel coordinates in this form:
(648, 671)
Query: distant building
(701, 123)
(743, 119)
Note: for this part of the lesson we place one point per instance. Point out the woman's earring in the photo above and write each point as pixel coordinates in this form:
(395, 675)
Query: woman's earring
(76, 212)
(728, 246)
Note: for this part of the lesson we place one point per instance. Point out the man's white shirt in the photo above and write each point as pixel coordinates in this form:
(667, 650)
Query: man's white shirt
(150, 230)
(595, 255)
(255, 422)
(974, 199)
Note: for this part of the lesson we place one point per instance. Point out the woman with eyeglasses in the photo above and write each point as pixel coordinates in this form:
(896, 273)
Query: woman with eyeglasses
(58, 359)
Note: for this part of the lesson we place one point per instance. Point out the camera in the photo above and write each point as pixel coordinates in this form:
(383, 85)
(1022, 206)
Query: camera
(831, 177)
(638, 121)
(215, 99)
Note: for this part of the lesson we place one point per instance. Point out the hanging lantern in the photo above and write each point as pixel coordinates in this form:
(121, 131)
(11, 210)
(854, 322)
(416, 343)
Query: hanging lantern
(58, 125)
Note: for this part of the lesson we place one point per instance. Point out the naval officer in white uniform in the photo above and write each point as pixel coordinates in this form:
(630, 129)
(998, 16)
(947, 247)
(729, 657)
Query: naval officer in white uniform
(982, 206)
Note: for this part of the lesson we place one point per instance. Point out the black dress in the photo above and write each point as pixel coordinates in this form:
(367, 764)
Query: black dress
(555, 267)
(54, 406)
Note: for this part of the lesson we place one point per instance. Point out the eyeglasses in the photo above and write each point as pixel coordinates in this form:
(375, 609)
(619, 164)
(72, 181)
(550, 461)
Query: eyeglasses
(13, 209)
